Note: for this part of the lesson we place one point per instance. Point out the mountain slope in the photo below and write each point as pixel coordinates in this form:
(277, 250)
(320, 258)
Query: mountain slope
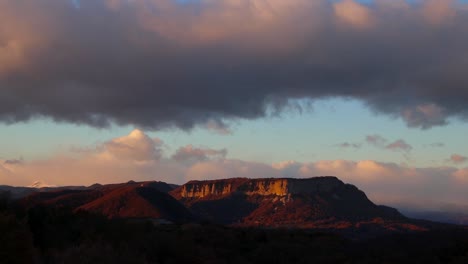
(125, 200)
(138, 201)
(281, 202)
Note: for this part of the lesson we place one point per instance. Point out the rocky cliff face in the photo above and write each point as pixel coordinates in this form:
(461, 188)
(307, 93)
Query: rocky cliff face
(263, 187)
(318, 203)
(279, 201)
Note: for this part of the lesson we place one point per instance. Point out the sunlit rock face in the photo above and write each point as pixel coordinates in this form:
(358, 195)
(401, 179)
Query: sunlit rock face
(265, 187)
(202, 189)
(275, 202)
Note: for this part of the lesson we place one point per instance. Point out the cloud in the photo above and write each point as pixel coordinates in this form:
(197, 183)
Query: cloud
(6, 176)
(425, 116)
(228, 168)
(462, 174)
(376, 140)
(134, 156)
(399, 145)
(190, 154)
(439, 11)
(13, 161)
(346, 145)
(138, 157)
(136, 146)
(436, 145)
(385, 183)
(162, 63)
(458, 159)
(390, 183)
(39, 184)
(353, 13)
(218, 127)
(381, 142)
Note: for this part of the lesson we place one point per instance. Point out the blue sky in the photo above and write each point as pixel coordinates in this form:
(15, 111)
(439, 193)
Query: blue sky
(310, 135)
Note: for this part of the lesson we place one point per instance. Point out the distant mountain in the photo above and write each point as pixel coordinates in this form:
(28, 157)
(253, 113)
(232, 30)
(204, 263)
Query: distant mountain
(17, 192)
(20, 192)
(322, 202)
(39, 185)
(450, 217)
(67, 198)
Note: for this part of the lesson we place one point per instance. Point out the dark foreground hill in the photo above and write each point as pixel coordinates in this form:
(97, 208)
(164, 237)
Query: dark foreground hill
(128, 200)
(46, 235)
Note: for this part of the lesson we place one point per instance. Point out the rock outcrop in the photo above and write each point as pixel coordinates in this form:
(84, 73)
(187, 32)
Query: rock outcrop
(279, 201)
(324, 203)
(265, 187)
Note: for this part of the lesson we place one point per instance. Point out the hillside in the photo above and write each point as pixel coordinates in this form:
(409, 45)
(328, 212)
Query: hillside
(138, 201)
(126, 200)
(321, 202)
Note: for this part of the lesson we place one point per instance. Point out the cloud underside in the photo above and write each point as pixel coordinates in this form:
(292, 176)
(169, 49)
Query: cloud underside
(141, 158)
(164, 63)
(458, 159)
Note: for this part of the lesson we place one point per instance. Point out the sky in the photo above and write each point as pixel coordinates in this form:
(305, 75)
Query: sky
(373, 92)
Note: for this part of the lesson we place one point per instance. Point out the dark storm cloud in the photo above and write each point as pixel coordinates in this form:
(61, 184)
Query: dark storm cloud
(159, 63)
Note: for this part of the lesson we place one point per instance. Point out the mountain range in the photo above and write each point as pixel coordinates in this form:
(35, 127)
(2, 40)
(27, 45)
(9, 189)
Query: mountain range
(324, 203)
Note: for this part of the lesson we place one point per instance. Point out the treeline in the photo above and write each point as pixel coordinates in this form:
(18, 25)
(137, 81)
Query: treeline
(53, 235)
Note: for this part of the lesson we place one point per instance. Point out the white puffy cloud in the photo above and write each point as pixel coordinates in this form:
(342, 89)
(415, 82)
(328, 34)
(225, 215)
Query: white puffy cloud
(136, 146)
(134, 156)
(139, 157)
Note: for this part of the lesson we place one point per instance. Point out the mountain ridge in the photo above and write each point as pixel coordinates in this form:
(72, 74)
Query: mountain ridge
(258, 186)
(325, 203)
(281, 202)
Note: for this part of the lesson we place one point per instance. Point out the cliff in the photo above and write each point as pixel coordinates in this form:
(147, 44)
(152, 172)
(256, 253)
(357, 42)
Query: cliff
(319, 203)
(263, 187)
(279, 201)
